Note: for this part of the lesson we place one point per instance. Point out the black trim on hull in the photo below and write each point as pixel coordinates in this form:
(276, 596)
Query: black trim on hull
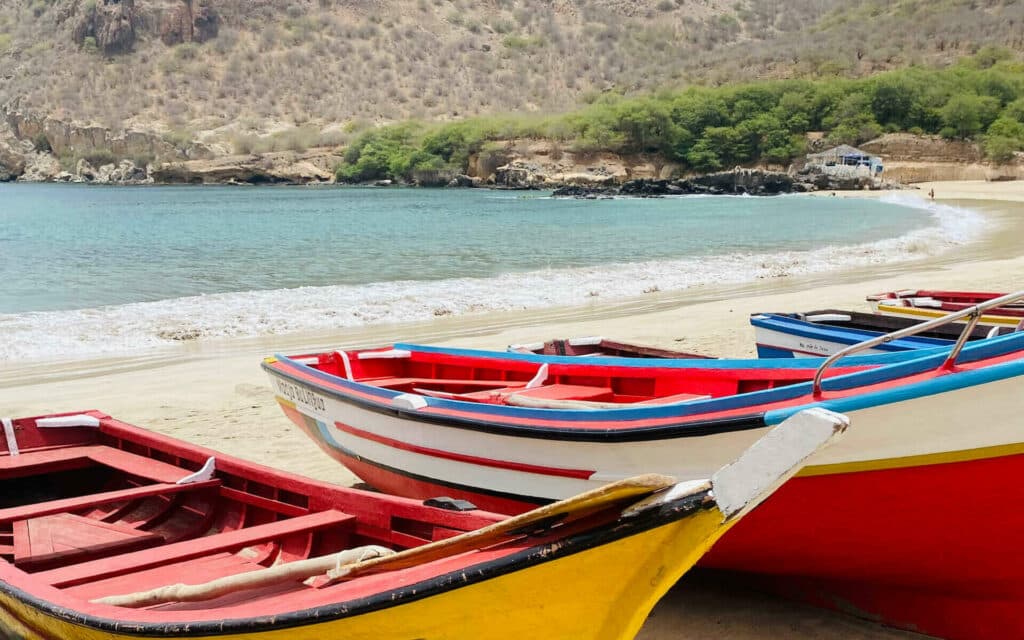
(534, 556)
(696, 428)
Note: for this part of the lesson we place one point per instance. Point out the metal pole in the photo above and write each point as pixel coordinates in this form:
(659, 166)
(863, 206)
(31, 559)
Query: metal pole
(975, 312)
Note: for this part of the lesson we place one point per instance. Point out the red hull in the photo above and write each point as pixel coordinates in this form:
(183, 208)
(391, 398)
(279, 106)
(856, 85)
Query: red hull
(882, 544)
(876, 544)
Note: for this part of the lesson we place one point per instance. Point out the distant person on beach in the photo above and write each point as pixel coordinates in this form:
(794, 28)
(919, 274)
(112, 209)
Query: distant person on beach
(931, 194)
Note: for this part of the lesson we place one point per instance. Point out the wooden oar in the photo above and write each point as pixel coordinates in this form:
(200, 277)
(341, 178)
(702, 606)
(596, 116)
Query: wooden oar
(627, 490)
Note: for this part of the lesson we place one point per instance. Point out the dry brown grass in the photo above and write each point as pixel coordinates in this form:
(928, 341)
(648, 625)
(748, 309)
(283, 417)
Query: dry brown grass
(307, 63)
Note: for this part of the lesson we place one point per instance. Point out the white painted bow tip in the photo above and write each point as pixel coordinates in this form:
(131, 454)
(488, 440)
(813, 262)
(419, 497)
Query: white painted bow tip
(776, 457)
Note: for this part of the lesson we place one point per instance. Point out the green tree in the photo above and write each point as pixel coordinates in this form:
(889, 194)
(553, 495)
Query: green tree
(891, 103)
(969, 114)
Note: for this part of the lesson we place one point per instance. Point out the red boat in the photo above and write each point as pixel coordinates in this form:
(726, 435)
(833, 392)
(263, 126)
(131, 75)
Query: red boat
(100, 521)
(923, 304)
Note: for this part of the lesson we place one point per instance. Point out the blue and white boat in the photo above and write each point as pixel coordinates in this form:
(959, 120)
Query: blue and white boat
(823, 333)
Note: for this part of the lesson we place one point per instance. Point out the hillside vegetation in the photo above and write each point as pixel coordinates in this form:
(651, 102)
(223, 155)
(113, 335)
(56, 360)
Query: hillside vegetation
(706, 129)
(315, 70)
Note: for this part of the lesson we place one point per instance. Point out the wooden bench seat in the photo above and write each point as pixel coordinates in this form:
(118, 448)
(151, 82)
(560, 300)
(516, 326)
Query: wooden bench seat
(66, 458)
(568, 392)
(65, 538)
(67, 505)
(678, 397)
(189, 549)
(390, 383)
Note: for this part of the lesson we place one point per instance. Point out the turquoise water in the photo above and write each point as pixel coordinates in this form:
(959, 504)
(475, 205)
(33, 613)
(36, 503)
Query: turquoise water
(72, 247)
(126, 267)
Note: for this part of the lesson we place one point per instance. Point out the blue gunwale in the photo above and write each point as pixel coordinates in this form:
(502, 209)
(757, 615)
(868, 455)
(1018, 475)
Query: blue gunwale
(805, 329)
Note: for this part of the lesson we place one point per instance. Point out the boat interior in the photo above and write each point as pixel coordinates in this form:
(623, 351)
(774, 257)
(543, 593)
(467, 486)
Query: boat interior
(108, 508)
(877, 322)
(596, 346)
(557, 385)
(955, 297)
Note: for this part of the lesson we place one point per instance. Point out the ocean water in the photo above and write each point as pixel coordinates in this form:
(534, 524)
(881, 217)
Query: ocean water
(88, 270)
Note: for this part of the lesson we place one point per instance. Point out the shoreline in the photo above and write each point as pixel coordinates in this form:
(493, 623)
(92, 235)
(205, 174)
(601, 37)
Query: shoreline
(216, 395)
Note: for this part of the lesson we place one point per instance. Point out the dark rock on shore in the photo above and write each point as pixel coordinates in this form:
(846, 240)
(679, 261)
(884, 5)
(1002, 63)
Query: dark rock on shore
(283, 167)
(581, 191)
(737, 182)
(651, 188)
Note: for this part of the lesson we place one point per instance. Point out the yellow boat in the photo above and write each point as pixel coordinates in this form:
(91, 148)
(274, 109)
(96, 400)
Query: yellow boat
(923, 314)
(100, 520)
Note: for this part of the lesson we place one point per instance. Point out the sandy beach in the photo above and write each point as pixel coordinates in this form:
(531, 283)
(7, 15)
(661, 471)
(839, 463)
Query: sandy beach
(216, 395)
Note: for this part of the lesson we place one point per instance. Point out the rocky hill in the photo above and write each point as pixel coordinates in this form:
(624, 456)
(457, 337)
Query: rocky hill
(183, 66)
(176, 80)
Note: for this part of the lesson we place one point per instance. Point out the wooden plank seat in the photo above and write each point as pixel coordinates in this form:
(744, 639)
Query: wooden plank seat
(197, 570)
(65, 458)
(444, 383)
(678, 397)
(66, 505)
(189, 549)
(66, 538)
(544, 392)
(567, 392)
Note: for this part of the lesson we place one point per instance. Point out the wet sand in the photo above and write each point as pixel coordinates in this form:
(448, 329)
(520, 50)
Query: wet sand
(215, 394)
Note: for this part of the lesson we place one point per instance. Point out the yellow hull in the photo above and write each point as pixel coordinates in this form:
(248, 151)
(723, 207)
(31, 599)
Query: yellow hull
(603, 593)
(930, 314)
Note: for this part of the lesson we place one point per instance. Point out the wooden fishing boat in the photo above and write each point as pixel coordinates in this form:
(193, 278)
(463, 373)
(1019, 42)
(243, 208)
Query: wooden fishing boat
(100, 521)
(597, 346)
(509, 431)
(921, 304)
(826, 331)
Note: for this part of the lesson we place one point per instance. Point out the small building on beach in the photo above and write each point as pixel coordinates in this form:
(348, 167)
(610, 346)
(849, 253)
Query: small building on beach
(845, 160)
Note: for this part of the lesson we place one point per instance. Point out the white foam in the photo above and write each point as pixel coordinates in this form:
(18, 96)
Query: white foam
(146, 325)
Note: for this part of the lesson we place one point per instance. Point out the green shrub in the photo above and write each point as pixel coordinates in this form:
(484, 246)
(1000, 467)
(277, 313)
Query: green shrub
(41, 143)
(1002, 149)
(186, 51)
(99, 157)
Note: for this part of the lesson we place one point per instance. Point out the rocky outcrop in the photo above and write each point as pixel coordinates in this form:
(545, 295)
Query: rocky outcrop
(68, 139)
(907, 147)
(742, 181)
(111, 25)
(12, 163)
(190, 21)
(519, 175)
(464, 181)
(124, 172)
(531, 163)
(40, 167)
(284, 167)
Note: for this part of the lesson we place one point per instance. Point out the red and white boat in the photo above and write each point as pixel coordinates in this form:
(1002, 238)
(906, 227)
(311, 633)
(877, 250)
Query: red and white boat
(507, 434)
(925, 304)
